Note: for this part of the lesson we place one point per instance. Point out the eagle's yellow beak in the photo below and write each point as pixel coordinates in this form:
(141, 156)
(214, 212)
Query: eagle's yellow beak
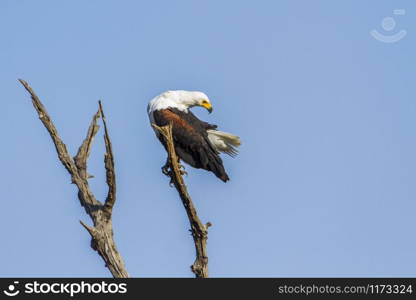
(207, 105)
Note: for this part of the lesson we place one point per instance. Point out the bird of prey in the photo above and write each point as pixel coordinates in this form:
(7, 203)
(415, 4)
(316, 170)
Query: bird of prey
(197, 143)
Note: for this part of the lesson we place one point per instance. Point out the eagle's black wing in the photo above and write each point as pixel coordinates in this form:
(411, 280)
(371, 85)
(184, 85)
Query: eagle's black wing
(191, 140)
(192, 119)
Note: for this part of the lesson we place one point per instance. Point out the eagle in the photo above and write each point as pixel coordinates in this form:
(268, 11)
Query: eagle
(197, 143)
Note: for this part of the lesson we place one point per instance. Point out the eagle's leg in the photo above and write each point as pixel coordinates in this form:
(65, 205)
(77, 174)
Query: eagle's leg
(167, 171)
(181, 168)
(166, 168)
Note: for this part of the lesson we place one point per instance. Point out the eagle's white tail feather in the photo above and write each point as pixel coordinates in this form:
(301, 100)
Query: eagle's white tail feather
(224, 142)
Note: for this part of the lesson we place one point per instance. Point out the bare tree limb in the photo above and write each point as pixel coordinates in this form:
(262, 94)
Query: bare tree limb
(198, 229)
(102, 230)
(109, 167)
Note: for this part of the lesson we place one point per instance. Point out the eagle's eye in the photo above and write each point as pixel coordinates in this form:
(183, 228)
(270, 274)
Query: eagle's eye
(204, 102)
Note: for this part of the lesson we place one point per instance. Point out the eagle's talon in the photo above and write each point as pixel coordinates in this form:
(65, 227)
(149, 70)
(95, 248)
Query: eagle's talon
(171, 183)
(166, 170)
(182, 170)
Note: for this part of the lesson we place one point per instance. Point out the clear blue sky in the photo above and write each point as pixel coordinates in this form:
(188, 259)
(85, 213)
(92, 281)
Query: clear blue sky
(325, 183)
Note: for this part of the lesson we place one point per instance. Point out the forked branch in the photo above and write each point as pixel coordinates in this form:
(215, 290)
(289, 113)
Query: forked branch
(102, 229)
(199, 231)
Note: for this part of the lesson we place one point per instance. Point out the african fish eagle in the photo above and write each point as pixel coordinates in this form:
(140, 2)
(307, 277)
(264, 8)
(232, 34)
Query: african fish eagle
(197, 143)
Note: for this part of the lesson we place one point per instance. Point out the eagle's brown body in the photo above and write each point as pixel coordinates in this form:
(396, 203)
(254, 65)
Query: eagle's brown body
(191, 140)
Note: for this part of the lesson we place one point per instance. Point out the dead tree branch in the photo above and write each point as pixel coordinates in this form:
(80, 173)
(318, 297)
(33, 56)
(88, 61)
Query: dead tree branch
(199, 231)
(102, 230)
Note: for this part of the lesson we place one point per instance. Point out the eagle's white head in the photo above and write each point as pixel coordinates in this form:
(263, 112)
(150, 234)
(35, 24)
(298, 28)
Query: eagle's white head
(181, 100)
